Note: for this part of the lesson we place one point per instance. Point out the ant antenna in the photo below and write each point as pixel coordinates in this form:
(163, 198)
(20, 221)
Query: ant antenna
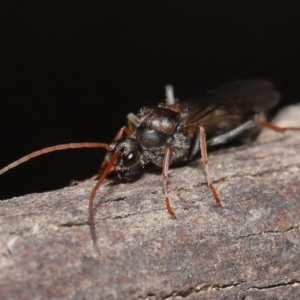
(51, 149)
(106, 167)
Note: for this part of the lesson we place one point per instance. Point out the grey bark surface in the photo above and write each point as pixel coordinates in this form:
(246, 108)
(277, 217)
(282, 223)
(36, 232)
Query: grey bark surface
(248, 249)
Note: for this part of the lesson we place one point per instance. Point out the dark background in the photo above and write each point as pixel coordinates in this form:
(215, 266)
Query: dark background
(71, 71)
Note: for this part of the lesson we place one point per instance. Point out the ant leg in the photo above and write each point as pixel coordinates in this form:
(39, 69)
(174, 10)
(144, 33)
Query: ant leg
(230, 135)
(203, 151)
(120, 133)
(276, 128)
(165, 169)
(170, 99)
(194, 146)
(132, 121)
(74, 182)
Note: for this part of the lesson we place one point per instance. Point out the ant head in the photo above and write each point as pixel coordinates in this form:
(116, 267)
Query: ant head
(130, 154)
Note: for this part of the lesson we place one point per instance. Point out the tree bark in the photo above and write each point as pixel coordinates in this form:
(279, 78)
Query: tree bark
(248, 249)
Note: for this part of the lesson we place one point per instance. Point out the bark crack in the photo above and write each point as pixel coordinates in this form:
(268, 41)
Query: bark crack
(292, 282)
(294, 227)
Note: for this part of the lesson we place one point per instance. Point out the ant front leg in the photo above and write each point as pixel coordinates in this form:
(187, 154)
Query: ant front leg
(132, 122)
(165, 169)
(120, 133)
(75, 182)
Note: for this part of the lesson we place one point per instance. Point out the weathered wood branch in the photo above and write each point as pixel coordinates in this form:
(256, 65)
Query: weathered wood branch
(249, 249)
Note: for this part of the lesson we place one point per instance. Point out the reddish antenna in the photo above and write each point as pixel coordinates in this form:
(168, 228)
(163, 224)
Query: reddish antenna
(107, 167)
(51, 149)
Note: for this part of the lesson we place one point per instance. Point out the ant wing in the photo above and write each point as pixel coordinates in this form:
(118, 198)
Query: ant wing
(255, 95)
(232, 102)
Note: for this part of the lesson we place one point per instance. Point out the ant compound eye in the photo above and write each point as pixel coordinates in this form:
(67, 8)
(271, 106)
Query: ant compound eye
(131, 159)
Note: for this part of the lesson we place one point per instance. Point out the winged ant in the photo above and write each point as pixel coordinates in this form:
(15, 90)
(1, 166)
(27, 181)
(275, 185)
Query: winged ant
(174, 132)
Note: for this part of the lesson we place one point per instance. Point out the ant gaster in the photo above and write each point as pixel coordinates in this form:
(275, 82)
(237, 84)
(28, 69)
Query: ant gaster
(174, 132)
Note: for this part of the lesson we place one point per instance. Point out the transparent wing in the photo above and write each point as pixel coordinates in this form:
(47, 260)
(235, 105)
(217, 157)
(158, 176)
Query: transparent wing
(248, 95)
(232, 102)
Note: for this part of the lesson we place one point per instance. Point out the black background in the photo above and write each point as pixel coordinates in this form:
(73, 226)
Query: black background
(71, 71)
